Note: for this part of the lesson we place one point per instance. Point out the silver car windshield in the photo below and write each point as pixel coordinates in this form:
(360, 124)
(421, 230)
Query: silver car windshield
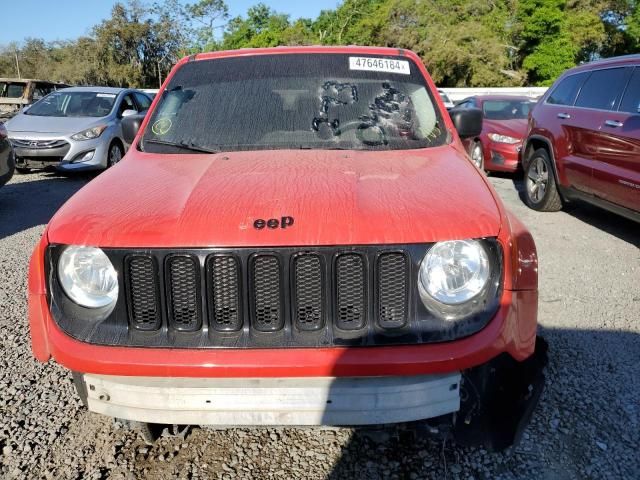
(74, 104)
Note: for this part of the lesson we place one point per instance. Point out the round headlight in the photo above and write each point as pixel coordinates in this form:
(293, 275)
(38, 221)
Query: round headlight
(87, 276)
(454, 272)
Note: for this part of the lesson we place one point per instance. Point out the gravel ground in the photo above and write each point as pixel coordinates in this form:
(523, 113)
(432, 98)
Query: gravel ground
(586, 426)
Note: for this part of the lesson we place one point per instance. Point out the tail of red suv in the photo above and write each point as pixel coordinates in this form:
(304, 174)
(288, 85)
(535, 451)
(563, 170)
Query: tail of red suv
(584, 139)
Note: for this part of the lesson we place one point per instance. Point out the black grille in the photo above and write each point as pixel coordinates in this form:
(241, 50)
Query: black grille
(392, 290)
(308, 277)
(143, 294)
(266, 280)
(223, 274)
(350, 287)
(184, 274)
(280, 297)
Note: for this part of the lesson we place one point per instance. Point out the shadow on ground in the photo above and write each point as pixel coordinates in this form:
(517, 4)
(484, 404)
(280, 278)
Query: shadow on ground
(571, 434)
(613, 224)
(26, 202)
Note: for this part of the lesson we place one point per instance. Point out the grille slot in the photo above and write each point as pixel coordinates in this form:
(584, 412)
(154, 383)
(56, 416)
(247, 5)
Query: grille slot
(392, 290)
(223, 274)
(184, 294)
(308, 299)
(350, 288)
(266, 280)
(143, 295)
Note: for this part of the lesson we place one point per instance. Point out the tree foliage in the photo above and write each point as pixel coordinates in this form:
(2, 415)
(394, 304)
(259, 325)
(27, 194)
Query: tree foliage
(463, 42)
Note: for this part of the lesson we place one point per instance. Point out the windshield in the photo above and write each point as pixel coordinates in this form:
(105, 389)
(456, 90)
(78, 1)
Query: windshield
(291, 101)
(11, 90)
(74, 104)
(445, 97)
(506, 109)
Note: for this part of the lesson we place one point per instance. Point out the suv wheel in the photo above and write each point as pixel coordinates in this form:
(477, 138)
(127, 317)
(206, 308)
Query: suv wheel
(541, 192)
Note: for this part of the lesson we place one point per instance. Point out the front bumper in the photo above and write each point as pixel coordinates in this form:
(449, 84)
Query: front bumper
(325, 401)
(66, 155)
(502, 157)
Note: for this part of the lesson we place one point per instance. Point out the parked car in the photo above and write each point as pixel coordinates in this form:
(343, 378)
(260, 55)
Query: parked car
(584, 139)
(7, 161)
(504, 127)
(448, 104)
(75, 128)
(17, 93)
(151, 92)
(270, 256)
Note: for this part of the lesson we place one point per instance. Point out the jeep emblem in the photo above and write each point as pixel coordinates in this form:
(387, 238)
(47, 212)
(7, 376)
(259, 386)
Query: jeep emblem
(273, 223)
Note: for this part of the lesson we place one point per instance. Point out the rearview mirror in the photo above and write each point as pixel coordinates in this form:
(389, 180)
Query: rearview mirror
(468, 121)
(131, 125)
(128, 113)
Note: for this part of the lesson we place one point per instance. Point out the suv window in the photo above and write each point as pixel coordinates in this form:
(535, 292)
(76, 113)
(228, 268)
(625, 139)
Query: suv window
(566, 91)
(602, 89)
(41, 90)
(631, 100)
(319, 101)
(144, 102)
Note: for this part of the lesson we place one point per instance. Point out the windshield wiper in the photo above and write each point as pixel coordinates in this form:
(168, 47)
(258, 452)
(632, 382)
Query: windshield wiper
(184, 145)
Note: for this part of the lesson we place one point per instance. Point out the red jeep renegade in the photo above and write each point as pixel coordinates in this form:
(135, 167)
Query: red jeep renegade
(584, 139)
(298, 238)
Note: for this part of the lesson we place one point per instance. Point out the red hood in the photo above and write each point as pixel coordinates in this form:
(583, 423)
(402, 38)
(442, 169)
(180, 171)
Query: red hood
(335, 197)
(516, 128)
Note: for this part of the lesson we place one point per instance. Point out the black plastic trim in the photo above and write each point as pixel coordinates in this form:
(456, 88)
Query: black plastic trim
(112, 326)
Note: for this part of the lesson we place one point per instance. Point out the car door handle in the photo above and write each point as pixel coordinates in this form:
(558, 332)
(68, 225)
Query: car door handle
(613, 123)
(564, 116)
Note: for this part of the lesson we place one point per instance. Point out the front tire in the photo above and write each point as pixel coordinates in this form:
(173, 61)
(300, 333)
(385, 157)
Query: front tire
(541, 192)
(114, 155)
(477, 155)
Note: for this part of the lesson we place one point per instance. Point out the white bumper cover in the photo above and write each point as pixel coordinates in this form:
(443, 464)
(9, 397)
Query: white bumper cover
(274, 401)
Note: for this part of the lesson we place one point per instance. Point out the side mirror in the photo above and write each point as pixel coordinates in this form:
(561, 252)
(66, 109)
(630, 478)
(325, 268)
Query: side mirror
(128, 113)
(468, 121)
(131, 125)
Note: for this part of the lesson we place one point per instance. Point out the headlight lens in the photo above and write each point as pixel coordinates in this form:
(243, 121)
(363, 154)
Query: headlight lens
(496, 137)
(90, 133)
(454, 272)
(87, 276)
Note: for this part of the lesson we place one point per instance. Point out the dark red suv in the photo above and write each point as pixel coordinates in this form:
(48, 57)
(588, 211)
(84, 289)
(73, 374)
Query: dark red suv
(584, 139)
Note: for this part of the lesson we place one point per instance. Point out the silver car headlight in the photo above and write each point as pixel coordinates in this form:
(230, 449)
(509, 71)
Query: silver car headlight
(87, 276)
(89, 133)
(452, 274)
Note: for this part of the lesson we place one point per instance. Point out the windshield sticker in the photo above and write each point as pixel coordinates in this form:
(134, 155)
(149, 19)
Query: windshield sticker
(106, 95)
(379, 65)
(162, 126)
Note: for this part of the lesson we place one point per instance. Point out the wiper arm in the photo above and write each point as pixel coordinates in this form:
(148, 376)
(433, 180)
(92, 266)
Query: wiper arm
(184, 145)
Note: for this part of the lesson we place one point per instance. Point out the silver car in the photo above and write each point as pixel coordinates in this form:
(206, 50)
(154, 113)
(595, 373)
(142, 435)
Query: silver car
(74, 129)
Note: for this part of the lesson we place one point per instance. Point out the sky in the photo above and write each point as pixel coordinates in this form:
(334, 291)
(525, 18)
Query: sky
(70, 19)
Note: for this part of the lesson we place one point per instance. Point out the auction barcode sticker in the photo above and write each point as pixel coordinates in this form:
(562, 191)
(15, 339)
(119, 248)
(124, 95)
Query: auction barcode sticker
(379, 65)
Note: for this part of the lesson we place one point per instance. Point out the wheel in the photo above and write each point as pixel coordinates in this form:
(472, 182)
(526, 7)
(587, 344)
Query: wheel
(115, 154)
(23, 170)
(476, 154)
(541, 192)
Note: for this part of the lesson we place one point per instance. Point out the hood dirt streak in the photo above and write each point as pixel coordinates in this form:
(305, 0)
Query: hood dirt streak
(335, 197)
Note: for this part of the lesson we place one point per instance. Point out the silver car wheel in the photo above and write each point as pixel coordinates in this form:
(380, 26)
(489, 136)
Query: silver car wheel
(537, 180)
(115, 155)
